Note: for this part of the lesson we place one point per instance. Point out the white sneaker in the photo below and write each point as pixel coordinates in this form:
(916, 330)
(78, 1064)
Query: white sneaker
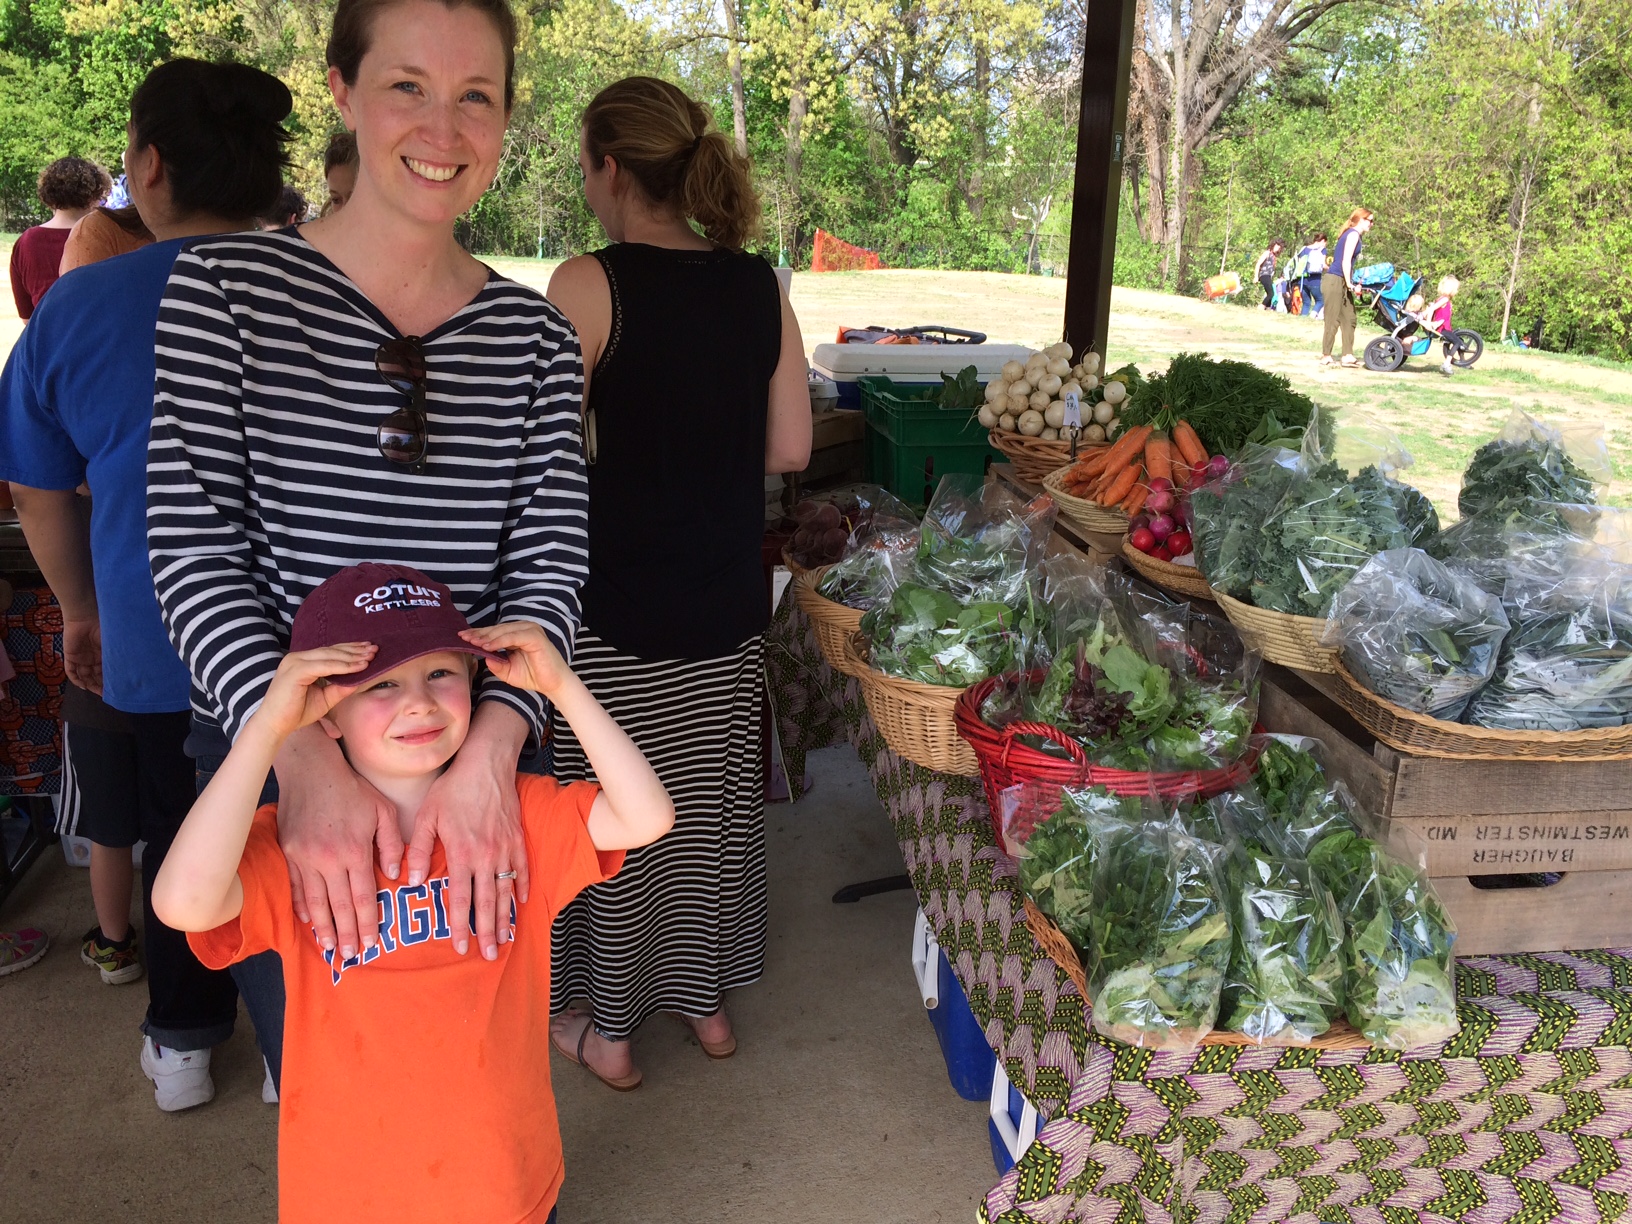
(1446, 368)
(181, 1078)
(269, 1090)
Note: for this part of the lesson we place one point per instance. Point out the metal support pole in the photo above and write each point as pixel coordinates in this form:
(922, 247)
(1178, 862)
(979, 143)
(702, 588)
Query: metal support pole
(1107, 63)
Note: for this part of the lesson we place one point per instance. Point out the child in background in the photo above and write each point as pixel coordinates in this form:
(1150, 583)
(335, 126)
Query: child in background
(416, 1081)
(1437, 315)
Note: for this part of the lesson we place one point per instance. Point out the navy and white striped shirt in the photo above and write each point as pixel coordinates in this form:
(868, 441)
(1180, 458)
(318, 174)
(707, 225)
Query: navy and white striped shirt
(264, 477)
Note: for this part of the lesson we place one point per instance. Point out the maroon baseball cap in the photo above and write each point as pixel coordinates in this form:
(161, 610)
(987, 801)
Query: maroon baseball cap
(397, 608)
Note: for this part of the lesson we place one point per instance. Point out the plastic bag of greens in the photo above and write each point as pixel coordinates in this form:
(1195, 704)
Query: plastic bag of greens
(929, 636)
(1566, 664)
(1531, 460)
(1098, 687)
(1417, 633)
(1056, 853)
(1216, 686)
(1161, 934)
(1527, 535)
(1399, 981)
(979, 542)
(1306, 802)
(868, 575)
(1228, 514)
(1285, 978)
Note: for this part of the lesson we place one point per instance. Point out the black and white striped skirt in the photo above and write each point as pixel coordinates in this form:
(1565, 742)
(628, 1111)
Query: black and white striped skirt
(684, 921)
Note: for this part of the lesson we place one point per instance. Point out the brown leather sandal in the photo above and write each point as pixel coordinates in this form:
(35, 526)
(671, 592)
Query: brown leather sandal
(717, 1050)
(625, 1083)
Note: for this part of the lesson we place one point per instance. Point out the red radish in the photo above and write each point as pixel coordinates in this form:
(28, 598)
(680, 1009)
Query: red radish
(1160, 501)
(1161, 485)
(1196, 477)
(1161, 554)
(1183, 514)
(1178, 543)
(1217, 467)
(1161, 527)
(1139, 521)
(1142, 539)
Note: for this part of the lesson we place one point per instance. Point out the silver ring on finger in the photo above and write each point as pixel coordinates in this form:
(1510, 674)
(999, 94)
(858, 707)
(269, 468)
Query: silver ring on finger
(505, 875)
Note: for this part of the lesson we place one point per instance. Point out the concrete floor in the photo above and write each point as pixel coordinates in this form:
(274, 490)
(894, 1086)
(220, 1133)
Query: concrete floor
(836, 1108)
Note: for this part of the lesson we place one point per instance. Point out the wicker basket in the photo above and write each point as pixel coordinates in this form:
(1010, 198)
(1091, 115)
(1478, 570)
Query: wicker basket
(793, 566)
(1424, 736)
(1031, 458)
(1053, 941)
(1006, 760)
(835, 624)
(916, 720)
(1183, 580)
(1291, 641)
(1090, 516)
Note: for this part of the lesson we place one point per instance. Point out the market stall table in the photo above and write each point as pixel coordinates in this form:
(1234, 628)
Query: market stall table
(1525, 1115)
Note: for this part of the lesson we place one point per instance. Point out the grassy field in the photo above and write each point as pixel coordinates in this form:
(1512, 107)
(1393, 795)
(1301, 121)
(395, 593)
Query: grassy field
(1441, 420)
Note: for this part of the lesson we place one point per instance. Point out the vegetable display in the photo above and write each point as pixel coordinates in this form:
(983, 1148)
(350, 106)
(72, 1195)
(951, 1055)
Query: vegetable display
(1029, 397)
(1226, 403)
(1160, 934)
(1056, 862)
(1285, 980)
(1418, 633)
(965, 608)
(1527, 461)
(1399, 984)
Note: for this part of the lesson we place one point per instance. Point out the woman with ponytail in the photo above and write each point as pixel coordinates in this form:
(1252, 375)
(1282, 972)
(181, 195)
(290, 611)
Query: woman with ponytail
(696, 390)
(205, 155)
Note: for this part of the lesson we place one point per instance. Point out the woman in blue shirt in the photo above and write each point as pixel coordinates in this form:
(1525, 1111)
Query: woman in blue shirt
(1338, 288)
(76, 405)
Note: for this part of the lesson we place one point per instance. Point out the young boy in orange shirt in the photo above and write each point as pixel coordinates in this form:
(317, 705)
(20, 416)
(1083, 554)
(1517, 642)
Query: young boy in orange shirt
(416, 1082)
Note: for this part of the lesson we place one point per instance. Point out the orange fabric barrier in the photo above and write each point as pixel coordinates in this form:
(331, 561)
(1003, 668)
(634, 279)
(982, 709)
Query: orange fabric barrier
(835, 255)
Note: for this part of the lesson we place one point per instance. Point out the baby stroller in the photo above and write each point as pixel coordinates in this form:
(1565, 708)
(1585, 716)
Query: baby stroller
(1388, 291)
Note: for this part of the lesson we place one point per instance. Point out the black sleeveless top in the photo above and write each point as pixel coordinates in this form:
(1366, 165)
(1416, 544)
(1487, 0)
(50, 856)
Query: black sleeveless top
(678, 403)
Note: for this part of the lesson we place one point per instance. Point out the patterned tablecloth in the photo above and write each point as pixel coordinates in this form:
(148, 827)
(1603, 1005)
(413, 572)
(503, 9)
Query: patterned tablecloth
(1525, 1116)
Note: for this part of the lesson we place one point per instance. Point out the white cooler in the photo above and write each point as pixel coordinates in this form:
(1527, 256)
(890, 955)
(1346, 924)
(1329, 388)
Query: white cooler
(908, 364)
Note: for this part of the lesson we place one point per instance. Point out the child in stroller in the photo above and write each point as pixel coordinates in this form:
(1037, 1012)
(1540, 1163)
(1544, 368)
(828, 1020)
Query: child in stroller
(1396, 300)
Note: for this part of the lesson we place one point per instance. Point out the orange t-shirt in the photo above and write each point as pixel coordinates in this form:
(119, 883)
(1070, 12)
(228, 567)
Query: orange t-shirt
(416, 1082)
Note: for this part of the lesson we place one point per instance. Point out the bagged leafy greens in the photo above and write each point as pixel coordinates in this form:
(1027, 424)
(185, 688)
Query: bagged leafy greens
(1161, 934)
(1531, 460)
(1566, 664)
(1529, 536)
(1056, 858)
(980, 542)
(878, 556)
(928, 636)
(1286, 534)
(1216, 683)
(1416, 632)
(1285, 978)
(1400, 980)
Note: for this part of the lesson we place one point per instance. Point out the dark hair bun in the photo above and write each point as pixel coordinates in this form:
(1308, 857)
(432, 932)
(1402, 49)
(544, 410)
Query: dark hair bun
(237, 89)
(218, 129)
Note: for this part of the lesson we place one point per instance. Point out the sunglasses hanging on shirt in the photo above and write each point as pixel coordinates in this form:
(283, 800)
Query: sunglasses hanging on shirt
(403, 437)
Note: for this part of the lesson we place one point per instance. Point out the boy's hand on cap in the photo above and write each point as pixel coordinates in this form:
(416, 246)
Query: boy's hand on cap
(305, 687)
(531, 660)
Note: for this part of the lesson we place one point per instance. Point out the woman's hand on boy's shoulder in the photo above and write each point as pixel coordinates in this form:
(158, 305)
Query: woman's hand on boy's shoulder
(530, 660)
(309, 683)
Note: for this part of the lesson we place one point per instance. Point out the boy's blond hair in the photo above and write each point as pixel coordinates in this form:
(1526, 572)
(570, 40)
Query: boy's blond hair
(1449, 286)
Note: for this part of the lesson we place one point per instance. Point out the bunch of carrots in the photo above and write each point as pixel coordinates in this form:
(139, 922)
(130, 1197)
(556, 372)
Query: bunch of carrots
(1119, 475)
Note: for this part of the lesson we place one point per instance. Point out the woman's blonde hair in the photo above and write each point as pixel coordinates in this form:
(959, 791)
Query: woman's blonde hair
(1449, 286)
(1357, 216)
(665, 142)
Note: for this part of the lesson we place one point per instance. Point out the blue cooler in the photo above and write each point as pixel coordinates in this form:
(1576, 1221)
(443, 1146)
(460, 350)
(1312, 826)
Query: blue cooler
(1013, 1124)
(969, 1060)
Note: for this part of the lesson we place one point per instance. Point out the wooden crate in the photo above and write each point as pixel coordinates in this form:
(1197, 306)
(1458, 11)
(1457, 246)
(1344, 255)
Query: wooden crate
(1488, 818)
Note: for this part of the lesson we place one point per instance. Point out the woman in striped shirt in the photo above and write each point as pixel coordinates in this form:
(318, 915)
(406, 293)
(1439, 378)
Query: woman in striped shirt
(360, 389)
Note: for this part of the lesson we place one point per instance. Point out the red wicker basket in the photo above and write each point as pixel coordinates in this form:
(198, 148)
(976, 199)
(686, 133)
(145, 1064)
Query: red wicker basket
(1005, 761)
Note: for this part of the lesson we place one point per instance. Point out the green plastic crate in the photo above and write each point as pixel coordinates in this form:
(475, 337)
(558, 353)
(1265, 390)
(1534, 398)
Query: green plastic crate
(912, 442)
